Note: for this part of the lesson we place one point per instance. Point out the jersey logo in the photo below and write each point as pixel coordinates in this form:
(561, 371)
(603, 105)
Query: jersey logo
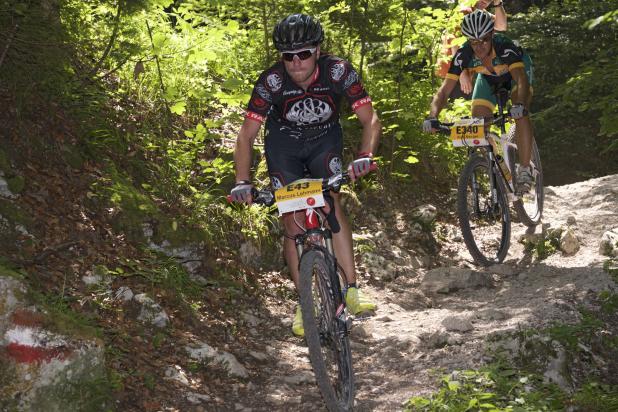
(335, 165)
(275, 182)
(458, 61)
(261, 90)
(309, 111)
(337, 71)
(509, 51)
(274, 82)
(352, 78)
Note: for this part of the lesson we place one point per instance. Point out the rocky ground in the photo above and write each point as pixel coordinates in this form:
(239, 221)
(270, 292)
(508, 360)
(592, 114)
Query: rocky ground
(440, 318)
(436, 309)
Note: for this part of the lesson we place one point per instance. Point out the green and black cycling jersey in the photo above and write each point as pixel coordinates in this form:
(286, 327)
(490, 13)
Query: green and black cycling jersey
(505, 56)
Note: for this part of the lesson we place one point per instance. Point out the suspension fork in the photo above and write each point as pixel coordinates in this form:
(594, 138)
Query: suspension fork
(314, 233)
(475, 186)
(491, 159)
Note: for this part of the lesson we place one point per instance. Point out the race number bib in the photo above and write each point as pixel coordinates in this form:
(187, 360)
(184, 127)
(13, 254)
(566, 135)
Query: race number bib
(299, 195)
(469, 132)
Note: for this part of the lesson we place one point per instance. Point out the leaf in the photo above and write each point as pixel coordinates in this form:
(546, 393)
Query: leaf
(453, 385)
(163, 3)
(179, 108)
(411, 159)
(158, 41)
(232, 26)
(201, 55)
(473, 402)
(174, 225)
(232, 83)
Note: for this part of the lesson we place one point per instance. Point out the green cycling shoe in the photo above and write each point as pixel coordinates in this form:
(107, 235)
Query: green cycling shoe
(357, 302)
(297, 325)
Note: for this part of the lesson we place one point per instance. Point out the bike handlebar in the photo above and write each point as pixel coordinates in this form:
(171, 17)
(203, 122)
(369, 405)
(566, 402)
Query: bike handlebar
(266, 197)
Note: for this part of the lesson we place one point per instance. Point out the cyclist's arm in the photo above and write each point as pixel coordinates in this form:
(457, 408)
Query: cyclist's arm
(500, 21)
(523, 87)
(244, 144)
(499, 13)
(372, 128)
(441, 97)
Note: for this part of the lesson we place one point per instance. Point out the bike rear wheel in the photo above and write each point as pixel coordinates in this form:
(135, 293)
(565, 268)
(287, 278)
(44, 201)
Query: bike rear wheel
(529, 207)
(485, 224)
(324, 321)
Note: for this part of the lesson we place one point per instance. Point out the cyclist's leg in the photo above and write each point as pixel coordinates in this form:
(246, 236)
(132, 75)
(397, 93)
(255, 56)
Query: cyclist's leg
(523, 133)
(483, 100)
(325, 160)
(285, 166)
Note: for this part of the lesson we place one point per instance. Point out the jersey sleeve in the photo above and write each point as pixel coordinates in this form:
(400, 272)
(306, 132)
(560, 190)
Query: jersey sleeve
(459, 62)
(346, 81)
(511, 54)
(261, 100)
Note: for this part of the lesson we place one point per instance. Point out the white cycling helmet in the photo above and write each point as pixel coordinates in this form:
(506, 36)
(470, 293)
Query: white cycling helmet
(477, 24)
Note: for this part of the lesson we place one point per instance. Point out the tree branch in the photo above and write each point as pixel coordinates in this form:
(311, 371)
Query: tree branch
(111, 41)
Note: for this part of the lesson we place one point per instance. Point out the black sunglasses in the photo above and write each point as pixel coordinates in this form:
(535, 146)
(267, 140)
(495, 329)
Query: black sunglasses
(302, 54)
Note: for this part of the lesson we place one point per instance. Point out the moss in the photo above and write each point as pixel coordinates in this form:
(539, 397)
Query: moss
(83, 386)
(6, 270)
(13, 213)
(7, 384)
(72, 156)
(16, 184)
(62, 319)
(178, 233)
(5, 164)
(134, 207)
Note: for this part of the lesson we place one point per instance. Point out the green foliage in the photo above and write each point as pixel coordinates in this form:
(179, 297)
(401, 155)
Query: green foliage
(573, 107)
(545, 245)
(611, 267)
(494, 388)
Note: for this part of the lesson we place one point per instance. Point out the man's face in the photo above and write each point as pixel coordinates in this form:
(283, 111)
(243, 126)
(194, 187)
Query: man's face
(300, 63)
(482, 47)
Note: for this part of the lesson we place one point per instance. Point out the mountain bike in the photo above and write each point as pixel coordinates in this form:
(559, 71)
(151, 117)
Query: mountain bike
(488, 182)
(322, 285)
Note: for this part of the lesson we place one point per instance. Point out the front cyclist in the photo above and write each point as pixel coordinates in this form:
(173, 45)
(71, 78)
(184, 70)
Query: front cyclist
(496, 59)
(299, 99)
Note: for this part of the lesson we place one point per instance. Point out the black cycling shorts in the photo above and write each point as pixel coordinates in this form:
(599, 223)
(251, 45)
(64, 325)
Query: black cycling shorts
(289, 158)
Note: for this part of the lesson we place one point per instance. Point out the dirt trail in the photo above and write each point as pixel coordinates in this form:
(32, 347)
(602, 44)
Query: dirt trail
(396, 350)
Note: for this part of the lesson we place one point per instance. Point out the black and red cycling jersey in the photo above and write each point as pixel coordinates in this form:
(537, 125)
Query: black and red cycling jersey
(286, 106)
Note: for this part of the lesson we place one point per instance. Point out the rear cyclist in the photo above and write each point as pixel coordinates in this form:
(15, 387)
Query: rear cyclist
(299, 99)
(497, 60)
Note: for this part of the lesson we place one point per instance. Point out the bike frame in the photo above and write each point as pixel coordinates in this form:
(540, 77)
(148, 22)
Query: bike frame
(506, 144)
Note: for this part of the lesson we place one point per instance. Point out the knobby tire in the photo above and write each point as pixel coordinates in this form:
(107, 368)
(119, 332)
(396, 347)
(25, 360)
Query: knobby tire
(319, 281)
(478, 166)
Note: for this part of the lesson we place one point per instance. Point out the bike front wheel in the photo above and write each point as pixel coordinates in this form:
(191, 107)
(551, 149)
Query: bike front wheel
(529, 207)
(484, 218)
(324, 321)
